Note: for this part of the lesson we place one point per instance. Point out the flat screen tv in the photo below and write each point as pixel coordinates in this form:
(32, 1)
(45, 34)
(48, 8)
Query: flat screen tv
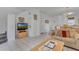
(22, 26)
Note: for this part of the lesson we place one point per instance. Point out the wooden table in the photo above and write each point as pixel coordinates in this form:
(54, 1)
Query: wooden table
(59, 45)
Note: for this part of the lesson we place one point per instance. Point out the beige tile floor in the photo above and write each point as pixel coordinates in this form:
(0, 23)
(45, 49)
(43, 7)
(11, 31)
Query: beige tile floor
(24, 45)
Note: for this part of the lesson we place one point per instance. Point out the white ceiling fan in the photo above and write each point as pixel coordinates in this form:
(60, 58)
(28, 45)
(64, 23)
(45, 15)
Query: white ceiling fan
(69, 13)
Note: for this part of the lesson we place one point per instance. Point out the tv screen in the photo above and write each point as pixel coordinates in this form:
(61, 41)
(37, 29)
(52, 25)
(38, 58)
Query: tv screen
(22, 26)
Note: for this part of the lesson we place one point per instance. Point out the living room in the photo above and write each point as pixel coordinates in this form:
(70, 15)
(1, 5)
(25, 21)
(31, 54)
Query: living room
(40, 28)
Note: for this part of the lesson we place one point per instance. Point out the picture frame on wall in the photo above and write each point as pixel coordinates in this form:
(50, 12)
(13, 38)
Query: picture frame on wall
(46, 21)
(21, 19)
(35, 17)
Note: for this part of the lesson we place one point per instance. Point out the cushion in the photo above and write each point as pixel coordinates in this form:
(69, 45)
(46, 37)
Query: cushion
(65, 33)
(76, 36)
(70, 40)
(77, 29)
(72, 33)
(58, 33)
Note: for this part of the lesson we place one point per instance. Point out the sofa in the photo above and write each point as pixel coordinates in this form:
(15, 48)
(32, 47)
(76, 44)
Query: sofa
(72, 39)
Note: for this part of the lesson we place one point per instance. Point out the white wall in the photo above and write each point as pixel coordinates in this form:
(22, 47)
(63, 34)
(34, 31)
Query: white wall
(3, 23)
(43, 26)
(4, 11)
(77, 19)
(11, 27)
(35, 23)
(53, 21)
(57, 20)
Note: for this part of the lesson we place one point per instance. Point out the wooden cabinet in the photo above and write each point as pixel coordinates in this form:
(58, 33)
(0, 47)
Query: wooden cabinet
(22, 33)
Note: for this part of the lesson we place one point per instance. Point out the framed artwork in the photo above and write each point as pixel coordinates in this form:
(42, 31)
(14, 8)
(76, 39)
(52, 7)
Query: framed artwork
(35, 17)
(21, 19)
(46, 21)
(29, 13)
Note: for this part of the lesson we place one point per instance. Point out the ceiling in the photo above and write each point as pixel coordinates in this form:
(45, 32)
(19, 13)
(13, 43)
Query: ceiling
(48, 10)
(59, 10)
(51, 10)
(4, 11)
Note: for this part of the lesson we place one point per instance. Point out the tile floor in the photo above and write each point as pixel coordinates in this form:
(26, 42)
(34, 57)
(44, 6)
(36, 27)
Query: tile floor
(24, 45)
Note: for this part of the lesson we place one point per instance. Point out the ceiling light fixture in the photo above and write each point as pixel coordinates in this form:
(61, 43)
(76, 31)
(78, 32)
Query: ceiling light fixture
(68, 13)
